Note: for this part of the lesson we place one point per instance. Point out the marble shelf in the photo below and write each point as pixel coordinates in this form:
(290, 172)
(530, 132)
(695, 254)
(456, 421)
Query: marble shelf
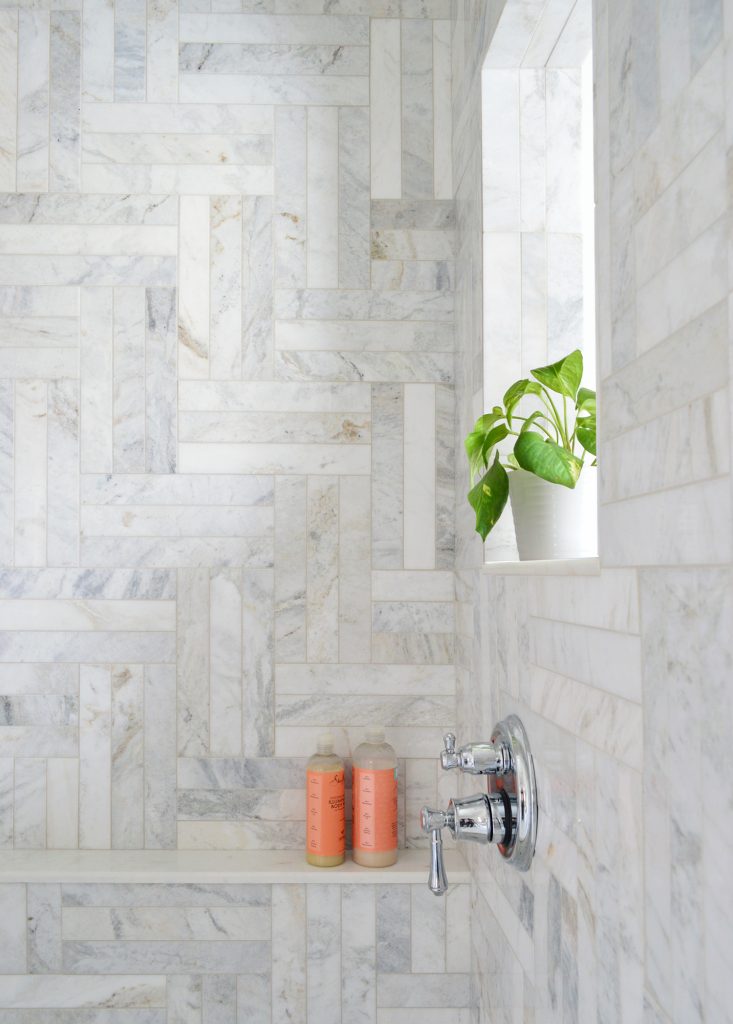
(546, 567)
(212, 866)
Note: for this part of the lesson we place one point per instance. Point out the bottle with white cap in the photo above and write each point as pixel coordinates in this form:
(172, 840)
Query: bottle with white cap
(375, 801)
(325, 824)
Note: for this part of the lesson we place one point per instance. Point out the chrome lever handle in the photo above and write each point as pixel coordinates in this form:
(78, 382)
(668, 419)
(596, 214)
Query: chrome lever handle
(434, 822)
(448, 757)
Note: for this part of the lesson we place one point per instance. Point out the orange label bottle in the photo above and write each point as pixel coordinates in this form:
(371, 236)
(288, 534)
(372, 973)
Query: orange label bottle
(325, 824)
(375, 802)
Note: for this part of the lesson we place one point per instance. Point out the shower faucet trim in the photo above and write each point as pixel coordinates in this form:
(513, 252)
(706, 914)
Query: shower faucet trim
(504, 816)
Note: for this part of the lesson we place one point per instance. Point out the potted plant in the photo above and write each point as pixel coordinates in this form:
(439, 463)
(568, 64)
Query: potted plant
(547, 471)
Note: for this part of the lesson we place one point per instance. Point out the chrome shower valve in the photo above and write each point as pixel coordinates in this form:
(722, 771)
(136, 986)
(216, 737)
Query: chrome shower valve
(504, 816)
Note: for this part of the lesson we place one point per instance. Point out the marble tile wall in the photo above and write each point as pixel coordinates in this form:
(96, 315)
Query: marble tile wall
(226, 411)
(622, 677)
(150, 953)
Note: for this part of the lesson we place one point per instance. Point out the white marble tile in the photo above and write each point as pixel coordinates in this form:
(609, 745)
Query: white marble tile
(225, 360)
(193, 304)
(7, 427)
(129, 380)
(184, 179)
(162, 51)
(184, 997)
(417, 108)
(501, 154)
(65, 59)
(14, 915)
(336, 90)
(289, 226)
(287, 28)
(385, 114)
(428, 931)
(419, 479)
(323, 937)
(274, 458)
(34, 35)
(258, 672)
(100, 271)
(31, 473)
(8, 99)
(160, 756)
(257, 289)
(97, 380)
(353, 198)
(354, 569)
(160, 380)
(322, 197)
(127, 782)
(62, 803)
(84, 990)
(289, 967)
(162, 118)
(358, 955)
(226, 662)
(98, 38)
(356, 679)
(95, 697)
(254, 999)
(129, 69)
(608, 661)
(322, 551)
(44, 928)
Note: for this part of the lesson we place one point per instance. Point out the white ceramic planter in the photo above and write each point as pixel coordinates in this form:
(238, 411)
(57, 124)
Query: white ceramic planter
(552, 521)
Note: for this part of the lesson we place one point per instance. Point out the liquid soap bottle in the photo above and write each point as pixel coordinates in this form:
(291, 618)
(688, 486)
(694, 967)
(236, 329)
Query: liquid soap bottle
(375, 802)
(325, 806)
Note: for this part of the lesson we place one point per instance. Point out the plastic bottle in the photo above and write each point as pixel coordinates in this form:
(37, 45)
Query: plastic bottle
(325, 806)
(375, 802)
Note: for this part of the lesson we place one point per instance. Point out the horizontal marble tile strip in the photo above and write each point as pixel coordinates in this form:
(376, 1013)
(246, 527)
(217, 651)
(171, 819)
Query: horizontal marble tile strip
(233, 118)
(260, 59)
(177, 552)
(424, 990)
(102, 271)
(398, 244)
(342, 709)
(151, 957)
(116, 991)
(39, 300)
(88, 584)
(363, 336)
(176, 148)
(78, 1015)
(270, 428)
(38, 709)
(413, 616)
(236, 396)
(274, 458)
(603, 659)
(76, 646)
(192, 489)
(219, 28)
(39, 741)
(153, 894)
(186, 521)
(412, 585)
(332, 304)
(30, 614)
(233, 772)
(376, 367)
(421, 741)
(413, 275)
(94, 240)
(364, 679)
(242, 804)
(413, 214)
(181, 179)
(60, 680)
(39, 332)
(337, 90)
(172, 924)
(39, 208)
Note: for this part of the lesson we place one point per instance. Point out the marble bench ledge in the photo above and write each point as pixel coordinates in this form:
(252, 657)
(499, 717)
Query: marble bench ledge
(212, 866)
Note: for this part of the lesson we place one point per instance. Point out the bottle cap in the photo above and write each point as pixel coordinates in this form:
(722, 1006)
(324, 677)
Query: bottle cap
(324, 743)
(374, 735)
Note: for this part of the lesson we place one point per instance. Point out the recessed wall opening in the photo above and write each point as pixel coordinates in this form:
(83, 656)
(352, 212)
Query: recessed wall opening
(538, 202)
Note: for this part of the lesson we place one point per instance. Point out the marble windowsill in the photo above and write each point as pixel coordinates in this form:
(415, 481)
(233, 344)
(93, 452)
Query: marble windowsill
(546, 567)
(211, 866)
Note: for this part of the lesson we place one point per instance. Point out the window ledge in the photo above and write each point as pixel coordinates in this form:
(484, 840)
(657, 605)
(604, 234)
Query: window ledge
(548, 567)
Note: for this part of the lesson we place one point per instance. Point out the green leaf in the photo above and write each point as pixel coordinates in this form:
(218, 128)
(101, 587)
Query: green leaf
(489, 497)
(564, 376)
(516, 392)
(547, 460)
(586, 401)
(530, 420)
(511, 461)
(585, 430)
(482, 439)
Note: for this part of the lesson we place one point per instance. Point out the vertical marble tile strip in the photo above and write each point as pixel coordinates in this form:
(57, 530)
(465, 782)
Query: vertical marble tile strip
(385, 110)
(63, 472)
(160, 757)
(428, 931)
(417, 108)
(358, 955)
(226, 288)
(162, 51)
(161, 390)
(193, 281)
(290, 568)
(8, 98)
(129, 51)
(127, 758)
(13, 928)
(257, 288)
(31, 494)
(258, 668)
(128, 446)
(323, 566)
(387, 476)
(354, 206)
(44, 928)
(62, 803)
(254, 999)
(97, 399)
(65, 100)
(34, 28)
(219, 999)
(289, 966)
(7, 782)
(98, 49)
(6, 468)
(442, 114)
(95, 699)
(445, 462)
(355, 636)
(458, 928)
(324, 953)
(184, 998)
(394, 941)
(192, 659)
(289, 220)
(322, 241)
(225, 631)
(29, 799)
(420, 491)
(532, 148)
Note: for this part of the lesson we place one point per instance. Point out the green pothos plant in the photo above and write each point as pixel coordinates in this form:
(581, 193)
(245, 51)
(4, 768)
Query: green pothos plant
(553, 440)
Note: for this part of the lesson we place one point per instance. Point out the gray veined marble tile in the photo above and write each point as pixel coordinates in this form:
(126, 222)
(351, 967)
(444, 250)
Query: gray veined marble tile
(127, 801)
(288, 28)
(322, 551)
(225, 321)
(331, 304)
(6, 802)
(117, 992)
(225, 697)
(184, 998)
(354, 210)
(258, 670)
(110, 584)
(29, 803)
(219, 999)
(290, 965)
(257, 288)
(128, 454)
(378, 367)
(160, 352)
(39, 709)
(50, 208)
(254, 999)
(323, 927)
(156, 894)
(234, 773)
(33, 98)
(290, 206)
(8, 92)
(13, 928)
(153, 957)
(6, 472)
(65, 59)
(129, 70)
(193, 653)
(160, 757)
(259, 59)
(44, 928)
(192, 489)
(62, 532)
(358, 954)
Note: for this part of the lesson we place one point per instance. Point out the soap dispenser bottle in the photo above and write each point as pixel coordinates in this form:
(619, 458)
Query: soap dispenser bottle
(375, 802)
(325, 806)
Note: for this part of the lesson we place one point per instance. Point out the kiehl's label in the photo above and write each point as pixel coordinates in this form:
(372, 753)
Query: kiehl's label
(326, 813)
(375, 809)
